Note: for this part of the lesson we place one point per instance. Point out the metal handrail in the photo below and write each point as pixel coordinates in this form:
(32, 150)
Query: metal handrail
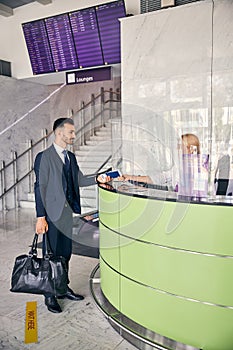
(94, 115)
(29, 151)
(103, 164)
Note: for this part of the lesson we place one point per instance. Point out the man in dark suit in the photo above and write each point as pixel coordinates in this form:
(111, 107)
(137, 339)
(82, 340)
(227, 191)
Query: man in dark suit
(58, 178)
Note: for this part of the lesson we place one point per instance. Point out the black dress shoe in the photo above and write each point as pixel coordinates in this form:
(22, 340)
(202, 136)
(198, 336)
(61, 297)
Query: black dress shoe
(71, 295)
(52, 304)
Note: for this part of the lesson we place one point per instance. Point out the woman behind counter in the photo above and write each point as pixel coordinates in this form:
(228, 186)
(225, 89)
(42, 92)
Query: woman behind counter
(190, 145)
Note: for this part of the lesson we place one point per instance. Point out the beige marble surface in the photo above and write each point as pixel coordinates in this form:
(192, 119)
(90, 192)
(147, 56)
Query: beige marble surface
(80, 326)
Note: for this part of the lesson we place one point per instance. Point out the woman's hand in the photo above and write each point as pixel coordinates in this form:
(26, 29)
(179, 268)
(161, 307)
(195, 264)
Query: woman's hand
(125, 177)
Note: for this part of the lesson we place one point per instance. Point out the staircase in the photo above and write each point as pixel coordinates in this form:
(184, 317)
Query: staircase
(90, 157)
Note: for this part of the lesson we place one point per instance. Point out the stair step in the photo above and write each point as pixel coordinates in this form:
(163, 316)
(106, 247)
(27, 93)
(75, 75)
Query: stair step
(86, 150)
(99, 143)
(31, 196)
(88, 202)
(96, 144)
(96, 141)
(84, 156)
(102, 133)
(90, 168)
(99, 139)
(89, 191)
(87, 209)
(27, 204)
(95, 162)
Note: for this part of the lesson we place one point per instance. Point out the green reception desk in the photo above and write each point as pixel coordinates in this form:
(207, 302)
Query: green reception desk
(167, 264)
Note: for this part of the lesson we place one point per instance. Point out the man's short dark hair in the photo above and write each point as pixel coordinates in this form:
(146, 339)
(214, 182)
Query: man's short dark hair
(59, 123)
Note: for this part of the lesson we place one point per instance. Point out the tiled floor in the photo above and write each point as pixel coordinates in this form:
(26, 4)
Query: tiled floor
(80, 326)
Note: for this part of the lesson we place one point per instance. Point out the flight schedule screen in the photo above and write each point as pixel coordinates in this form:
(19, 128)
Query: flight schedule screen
(86, 37)
(79, 39)
(38, 47)
(109, 25)
(61, 42)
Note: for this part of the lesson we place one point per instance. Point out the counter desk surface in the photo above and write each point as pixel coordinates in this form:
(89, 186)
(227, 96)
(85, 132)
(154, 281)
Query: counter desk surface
(162, 193)
(167, 262)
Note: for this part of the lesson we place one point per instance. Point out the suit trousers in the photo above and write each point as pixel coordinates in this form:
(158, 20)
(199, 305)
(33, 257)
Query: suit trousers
(60, 235)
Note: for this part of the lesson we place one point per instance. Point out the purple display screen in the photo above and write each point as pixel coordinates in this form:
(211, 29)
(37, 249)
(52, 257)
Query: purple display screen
(86, 37)
(61, 42)
(109, 25)
(38, 47)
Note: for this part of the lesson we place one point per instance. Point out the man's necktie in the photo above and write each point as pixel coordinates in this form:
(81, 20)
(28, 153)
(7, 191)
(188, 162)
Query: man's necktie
(66, 160)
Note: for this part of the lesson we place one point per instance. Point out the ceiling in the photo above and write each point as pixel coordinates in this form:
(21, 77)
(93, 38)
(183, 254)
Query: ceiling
(15, 3)
(7, 6)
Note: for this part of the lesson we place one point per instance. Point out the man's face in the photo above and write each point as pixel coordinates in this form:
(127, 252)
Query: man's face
(67, 134)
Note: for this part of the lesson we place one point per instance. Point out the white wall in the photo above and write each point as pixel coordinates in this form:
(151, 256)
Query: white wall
(12, 43)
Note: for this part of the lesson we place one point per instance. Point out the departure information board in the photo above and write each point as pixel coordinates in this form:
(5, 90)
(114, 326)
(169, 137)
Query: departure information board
(109, 25)
(61, 42)
(79, 39)
(86, 37)
(38, 47)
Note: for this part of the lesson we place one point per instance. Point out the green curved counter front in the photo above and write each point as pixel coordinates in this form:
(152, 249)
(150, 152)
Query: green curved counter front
(168, 266)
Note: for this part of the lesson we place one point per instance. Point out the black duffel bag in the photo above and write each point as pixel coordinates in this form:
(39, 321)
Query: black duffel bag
(35, 275)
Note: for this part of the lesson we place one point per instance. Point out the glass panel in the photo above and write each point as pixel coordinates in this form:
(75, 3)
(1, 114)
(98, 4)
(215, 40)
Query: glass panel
(176, 149)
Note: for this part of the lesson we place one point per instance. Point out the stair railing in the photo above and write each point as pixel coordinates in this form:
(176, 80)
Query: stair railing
(89, 123)
(14, 173)
(11, 172)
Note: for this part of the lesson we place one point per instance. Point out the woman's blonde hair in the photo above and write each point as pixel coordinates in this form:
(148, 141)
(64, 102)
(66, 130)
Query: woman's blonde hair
(191, 140)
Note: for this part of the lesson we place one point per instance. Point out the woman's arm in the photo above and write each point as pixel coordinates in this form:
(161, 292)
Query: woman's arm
(137, 178)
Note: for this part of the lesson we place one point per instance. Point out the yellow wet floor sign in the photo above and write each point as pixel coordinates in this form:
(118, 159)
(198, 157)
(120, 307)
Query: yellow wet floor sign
(31, 332)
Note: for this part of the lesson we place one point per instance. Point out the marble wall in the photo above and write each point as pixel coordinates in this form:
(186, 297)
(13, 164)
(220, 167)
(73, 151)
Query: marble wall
(17, 98)
(166, 56)
(176, 78)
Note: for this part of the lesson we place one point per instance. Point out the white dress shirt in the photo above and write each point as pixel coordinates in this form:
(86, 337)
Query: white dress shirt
(59, 151)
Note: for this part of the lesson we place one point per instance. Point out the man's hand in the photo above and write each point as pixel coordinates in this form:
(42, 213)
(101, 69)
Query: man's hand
(103, 179)
(41, 225)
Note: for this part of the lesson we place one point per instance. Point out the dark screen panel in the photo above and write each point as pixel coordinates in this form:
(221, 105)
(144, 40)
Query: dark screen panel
(79, 39)
(86, 37)
(61, 42)
(109, 27)
(38, 47)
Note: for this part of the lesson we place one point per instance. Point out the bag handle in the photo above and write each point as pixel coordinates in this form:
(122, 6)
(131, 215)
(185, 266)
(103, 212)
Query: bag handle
(33, 250)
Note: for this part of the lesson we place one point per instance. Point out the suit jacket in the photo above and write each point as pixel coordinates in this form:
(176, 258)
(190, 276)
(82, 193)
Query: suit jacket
(51, 185)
